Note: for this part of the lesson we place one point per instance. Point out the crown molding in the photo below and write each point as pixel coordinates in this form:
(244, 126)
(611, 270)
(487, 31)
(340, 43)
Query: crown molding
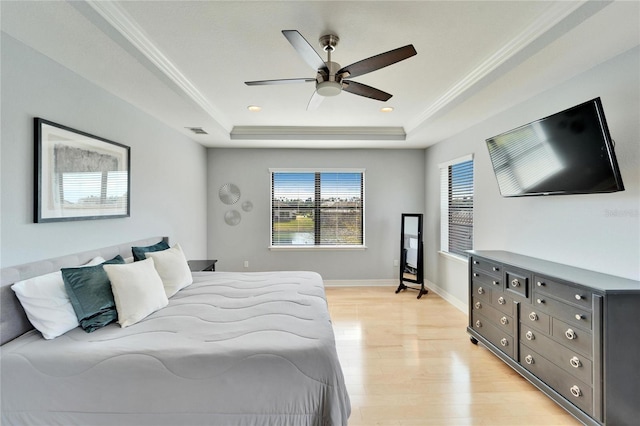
(555, 14)
(317, 133)
(122, 22)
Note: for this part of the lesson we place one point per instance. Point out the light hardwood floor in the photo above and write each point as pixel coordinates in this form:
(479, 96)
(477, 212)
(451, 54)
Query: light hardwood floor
(410, 362)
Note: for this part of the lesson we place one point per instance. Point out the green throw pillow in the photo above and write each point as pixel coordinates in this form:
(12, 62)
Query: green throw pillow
(139, 252)
(89, 289)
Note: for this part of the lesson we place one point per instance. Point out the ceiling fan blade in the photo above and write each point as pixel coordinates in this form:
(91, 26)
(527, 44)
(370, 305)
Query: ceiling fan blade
(364, 90)
(304, 49)
(379, 61)
(282, 81)
(315, 101)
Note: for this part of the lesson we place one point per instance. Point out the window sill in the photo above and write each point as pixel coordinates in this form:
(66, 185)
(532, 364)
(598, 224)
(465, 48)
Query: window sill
(317, 248)
(455, 257)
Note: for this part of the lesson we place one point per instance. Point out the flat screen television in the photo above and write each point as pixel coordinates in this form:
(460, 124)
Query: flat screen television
(570, 152)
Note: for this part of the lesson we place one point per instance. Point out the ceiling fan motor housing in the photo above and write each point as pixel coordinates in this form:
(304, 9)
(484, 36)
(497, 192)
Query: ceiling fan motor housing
(331, 84)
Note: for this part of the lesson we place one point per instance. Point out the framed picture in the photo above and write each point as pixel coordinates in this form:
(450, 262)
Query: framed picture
(79, 176)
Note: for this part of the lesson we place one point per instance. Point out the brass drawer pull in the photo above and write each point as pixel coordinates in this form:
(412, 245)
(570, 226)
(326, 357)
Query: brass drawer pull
(575, 362)
(501, 300)
(515, 283)
(504, 342)
(504, 321)
(570, 334)
(533, 316)
(528, 359)
(478, 324)
(480, 290)
(530, 335)
(478, 305)
(575, 391)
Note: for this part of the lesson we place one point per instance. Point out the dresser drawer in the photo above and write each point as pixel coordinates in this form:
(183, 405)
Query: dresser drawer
(569, 313)
(572, 337)
(486, 279)
(573, 363)
(577, 392)
(503, 302)
(517, 282)
(498, 318)
(567, 293)
(480, 290)
(498, 337)
(533, 317)
(483, 265)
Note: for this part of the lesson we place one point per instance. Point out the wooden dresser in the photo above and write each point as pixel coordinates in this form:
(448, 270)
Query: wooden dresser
(573, 333)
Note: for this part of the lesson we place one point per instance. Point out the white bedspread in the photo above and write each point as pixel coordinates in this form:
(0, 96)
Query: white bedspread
(231, 349)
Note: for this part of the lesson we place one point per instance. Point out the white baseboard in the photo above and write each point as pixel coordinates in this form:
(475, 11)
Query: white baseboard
(361, 283)
(461, 306)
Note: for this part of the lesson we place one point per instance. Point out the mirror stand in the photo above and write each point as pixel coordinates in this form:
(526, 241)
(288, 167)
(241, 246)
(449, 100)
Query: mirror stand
(411, 265)
(422, 290)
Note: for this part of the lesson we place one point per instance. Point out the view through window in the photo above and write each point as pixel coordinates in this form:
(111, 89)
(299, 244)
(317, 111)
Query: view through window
(317, 208)
(456, 206)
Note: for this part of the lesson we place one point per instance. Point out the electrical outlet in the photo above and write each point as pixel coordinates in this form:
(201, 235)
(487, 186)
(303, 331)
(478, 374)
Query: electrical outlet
(246, 263)
(395, 262)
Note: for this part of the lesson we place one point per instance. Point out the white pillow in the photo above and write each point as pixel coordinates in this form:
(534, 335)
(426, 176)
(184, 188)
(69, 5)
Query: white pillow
(137, 290)
(173, 268)
(47, 304)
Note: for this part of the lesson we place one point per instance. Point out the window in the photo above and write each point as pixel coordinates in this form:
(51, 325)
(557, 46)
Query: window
(456, 206)
(317, 208)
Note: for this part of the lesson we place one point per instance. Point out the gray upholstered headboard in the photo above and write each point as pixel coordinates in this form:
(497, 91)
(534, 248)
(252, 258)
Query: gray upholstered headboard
(13, 321)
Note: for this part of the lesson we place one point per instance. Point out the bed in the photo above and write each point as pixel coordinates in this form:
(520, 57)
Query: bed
(229, 349)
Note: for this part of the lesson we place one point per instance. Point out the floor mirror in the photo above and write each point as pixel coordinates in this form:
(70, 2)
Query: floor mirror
(411, 265)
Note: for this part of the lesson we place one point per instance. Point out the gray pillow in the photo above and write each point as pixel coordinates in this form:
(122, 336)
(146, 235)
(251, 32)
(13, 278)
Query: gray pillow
(89, 290)
(139, 252)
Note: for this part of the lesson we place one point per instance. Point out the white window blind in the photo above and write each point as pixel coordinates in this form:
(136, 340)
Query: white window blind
(317, 208)
(456, 206)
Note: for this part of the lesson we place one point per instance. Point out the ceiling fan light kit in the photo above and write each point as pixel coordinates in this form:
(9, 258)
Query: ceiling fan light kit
(331, 79)
(328, 88)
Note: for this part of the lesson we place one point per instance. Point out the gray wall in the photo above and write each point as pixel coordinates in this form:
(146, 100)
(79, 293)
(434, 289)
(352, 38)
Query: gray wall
(600, 232)
(394, 184)
(168, 170)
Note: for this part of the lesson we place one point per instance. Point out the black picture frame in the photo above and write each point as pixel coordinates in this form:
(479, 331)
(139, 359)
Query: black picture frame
(79, 176)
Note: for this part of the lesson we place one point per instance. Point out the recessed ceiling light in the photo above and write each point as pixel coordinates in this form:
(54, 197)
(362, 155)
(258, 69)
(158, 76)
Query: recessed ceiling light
(386, 109)
(254, 108)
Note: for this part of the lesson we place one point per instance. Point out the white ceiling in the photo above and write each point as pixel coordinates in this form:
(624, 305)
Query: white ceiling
(185, 62)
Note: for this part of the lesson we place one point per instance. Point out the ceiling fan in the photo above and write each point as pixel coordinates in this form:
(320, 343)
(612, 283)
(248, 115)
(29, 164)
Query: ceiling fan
(331, 79)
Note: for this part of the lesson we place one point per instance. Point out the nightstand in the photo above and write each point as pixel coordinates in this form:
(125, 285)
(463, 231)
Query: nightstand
(202, 265)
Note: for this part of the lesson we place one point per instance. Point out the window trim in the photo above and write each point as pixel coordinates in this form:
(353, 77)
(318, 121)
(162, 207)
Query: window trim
(313, 247)
(444, 205)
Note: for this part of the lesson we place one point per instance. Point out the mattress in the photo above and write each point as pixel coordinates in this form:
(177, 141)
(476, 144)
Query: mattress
(230, 349)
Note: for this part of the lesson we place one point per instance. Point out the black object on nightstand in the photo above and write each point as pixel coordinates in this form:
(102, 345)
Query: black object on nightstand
(202, 265)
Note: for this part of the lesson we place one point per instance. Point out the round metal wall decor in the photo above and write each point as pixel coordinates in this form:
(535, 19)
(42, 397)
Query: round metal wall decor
(232, 217)
(247, 206)
(229, 193)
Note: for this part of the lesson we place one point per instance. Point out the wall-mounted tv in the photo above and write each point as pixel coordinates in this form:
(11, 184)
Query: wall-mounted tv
(570, 152)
